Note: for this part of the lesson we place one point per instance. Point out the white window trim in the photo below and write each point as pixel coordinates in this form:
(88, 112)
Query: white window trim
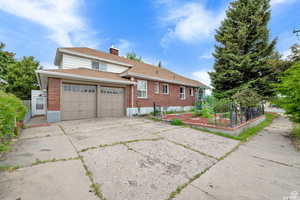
(168, 91)
(192, 90)
(156, 88)
(145, 90)
(184, 95)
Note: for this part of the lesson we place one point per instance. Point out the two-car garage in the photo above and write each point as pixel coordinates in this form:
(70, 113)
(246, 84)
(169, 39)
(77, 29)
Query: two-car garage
(79, 101)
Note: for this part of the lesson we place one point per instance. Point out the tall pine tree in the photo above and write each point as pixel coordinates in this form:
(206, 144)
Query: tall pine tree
(243, 50)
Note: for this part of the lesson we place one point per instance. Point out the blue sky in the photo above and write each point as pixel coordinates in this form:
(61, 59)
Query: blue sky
(180, 33)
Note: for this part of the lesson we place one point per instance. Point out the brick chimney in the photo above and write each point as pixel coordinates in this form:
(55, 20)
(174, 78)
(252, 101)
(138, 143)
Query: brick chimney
(113, 50)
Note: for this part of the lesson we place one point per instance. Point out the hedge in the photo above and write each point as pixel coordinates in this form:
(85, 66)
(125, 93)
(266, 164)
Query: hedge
(12, 110)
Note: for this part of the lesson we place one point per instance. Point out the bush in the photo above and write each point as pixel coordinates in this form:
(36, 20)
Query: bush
(11, 111)
(296, 132)
(176, 122)
(289, 90)
(205, 112)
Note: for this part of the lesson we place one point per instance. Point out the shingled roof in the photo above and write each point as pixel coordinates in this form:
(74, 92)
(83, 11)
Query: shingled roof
(138, 69)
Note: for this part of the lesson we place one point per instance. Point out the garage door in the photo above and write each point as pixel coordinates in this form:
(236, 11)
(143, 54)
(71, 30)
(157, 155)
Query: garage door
(78, 101)
(111, 102)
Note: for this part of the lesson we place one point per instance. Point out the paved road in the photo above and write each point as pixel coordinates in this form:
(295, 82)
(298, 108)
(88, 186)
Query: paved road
(138, 159)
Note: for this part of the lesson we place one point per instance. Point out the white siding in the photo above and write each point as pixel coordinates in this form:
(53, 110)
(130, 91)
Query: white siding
(115, 68)
(69, 62)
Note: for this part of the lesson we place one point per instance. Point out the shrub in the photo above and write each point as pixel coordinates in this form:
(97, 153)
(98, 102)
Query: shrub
(11, 111)
(176, 122)
(205, 112)
(289, 91)
(296, 132)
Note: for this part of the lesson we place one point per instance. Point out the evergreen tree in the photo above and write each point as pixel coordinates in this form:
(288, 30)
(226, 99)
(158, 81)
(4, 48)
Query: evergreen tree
(295, 53)
(159, 64)
(133, 56)
(243, 50)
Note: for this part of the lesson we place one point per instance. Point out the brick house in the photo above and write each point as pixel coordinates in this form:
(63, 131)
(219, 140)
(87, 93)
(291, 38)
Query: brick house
(89, 83)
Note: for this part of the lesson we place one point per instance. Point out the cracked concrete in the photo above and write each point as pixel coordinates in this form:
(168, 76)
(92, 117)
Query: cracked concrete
(183, 164)
(267, 167)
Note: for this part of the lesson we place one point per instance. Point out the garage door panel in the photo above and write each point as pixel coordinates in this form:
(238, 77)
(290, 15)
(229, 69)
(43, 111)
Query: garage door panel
(111, 102)
(78, 101)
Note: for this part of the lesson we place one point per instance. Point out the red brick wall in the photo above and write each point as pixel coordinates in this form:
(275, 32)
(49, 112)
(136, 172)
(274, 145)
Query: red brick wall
(171, 99)
(54, 93)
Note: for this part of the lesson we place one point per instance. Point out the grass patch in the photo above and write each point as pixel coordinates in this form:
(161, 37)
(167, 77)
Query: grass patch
(181, 187)
(254, 130)
(176, 122)
(38, 162)
(246, 134)
(5, 147)
(295, 135)
(9, 168)
(97, 190)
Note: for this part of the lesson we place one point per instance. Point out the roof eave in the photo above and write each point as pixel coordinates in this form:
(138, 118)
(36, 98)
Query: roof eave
(62, 50)
(81, 77)
(136, 75)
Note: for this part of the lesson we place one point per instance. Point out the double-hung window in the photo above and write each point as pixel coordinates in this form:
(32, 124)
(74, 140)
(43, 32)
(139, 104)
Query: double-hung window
(95, 65)
(141, 89)
(156, 87)
(103, 67)
(99, 66)
(182, 93)
(165, 88)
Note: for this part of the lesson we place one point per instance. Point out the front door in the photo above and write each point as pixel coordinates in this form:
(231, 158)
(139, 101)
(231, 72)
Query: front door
(38, 102)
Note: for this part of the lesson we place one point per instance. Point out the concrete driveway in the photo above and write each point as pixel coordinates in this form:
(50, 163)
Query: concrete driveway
(138, 159)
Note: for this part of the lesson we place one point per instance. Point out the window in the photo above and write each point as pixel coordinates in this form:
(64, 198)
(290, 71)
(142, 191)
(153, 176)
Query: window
(191, 92)
(141, 89)
(165, 89)
(99, 66)
(95, 65)
(156, 87)
(103, 67)
(182, 93)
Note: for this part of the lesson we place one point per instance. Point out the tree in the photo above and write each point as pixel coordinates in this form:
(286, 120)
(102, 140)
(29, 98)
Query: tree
(295, 56)
(289, 90)
(6, 58)
(159, 64)
(133, 56)
(21, 77)
(243, 50)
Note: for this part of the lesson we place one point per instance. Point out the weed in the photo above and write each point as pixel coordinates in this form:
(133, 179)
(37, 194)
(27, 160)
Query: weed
(176, 122)
(9, 168)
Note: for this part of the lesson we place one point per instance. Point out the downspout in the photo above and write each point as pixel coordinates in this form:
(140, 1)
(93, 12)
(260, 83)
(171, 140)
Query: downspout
(132, 96)
(38, 79)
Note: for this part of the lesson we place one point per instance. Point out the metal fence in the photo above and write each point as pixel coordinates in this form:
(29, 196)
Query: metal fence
(28, 115)
(236, 115)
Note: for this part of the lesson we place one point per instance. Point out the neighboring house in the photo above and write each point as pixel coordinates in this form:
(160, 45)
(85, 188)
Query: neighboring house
(90, 83)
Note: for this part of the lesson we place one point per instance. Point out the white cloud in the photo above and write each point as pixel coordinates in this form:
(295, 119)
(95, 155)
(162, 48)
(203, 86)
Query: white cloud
(47, 65)
(125, 46)
(276, 2)
(190, 22)
(207, 56)
(202, 76)
(62, 18)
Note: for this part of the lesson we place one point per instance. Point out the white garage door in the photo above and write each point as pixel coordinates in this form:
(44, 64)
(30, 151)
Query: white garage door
(78, 101)
(111, 102)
